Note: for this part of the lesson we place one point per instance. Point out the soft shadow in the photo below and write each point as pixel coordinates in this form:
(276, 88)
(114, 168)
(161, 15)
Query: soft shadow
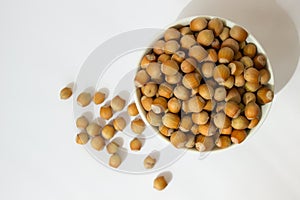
(267, 21)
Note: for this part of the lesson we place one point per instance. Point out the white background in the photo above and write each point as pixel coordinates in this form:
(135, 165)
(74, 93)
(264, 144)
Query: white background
(42, 46)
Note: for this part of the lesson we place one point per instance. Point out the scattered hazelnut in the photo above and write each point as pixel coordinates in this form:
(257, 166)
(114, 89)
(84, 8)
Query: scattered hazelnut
(93, 129)
(106, 112)
(98, 143)
(138, 126)
(112, 148)
(132, 109)
(119, 123)
(82, 122)
(82, 138)
(115, 160)
(84, 99)
(117, 103)
(135, 144)
(160, 183)
(66, 93)
(99, 98)
(149, 162)
(108, 132)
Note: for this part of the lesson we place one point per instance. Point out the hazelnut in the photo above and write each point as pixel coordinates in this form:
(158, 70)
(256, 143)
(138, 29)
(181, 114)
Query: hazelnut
(146, 60)
(174, 79)
(209, 106)
(138, 126)
(178, 139)
(264, 95)
(212, 55)
(185, 30)
(233, 95)
(238, 136)
(117, 103)
(146, 102)
(171, 34)
(135, 144)
(190, 141)
(187, 41)
(239, 81)
(174, 105)
(119, 123)
(82, 122)
(198, 24)
(216, 25)
(115, 160)
(165, 90)
(264, 76)
(93, 129)
(165, 130)
(141, 78)
(195, 129)
(66, 93)
(84, 99)
(198, 52)
(252, 110)
(225, 34)
(159, 105)
(223, 142)
(149, 162)
(196, 104)
(249, 97)
(220, 94)
(106, 112)
(160, 183)
(158, 47)
(252, 86)
(251, 75)
(191, 80)
(260, 61)
(169, 67)
(150, 89)
(171, 47)
(225, 55)
(221, 120)
(171, 120)
(99, 98)
(204, 143)
(132, 110)
(247, 61)
(112, 148)
(205, 37)
(232, 44)
(154, 119)
(98, 143)
(221, 73)
(108, 132)
(163, 57)
(236, 68)
(240, 123)
(226, 131)
(206, 91)
(207, 69)
(188, 65)
(179, 56)
(232, 109)
(181, 92)
(238, 33)
(250, 50)
(185, 124)
(200, 118)
(153, 70)
(82, 138)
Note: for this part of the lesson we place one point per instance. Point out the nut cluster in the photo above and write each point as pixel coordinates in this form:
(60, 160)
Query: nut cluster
(203, 85)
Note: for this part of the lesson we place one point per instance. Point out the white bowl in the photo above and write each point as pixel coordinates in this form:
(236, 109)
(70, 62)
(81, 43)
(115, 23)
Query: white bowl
(265, 108)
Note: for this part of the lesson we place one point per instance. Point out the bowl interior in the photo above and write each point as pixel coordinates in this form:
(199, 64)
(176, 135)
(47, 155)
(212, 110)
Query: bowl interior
(184, 22)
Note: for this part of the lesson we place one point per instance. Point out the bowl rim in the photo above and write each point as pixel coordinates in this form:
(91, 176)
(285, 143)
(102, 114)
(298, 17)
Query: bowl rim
(265, 109)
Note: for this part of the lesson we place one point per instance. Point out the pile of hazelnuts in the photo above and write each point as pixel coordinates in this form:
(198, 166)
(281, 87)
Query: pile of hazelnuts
(203, 85)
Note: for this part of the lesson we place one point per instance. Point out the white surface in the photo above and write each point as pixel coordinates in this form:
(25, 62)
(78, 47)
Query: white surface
(42, 46)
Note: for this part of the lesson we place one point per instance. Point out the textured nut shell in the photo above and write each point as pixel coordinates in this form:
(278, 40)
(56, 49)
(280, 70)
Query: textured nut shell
(66, 93)
(82, 138)
(84, 99)
(106, 112)
(93, 129)
(98, 143)
(119, 123)
(178, 139)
